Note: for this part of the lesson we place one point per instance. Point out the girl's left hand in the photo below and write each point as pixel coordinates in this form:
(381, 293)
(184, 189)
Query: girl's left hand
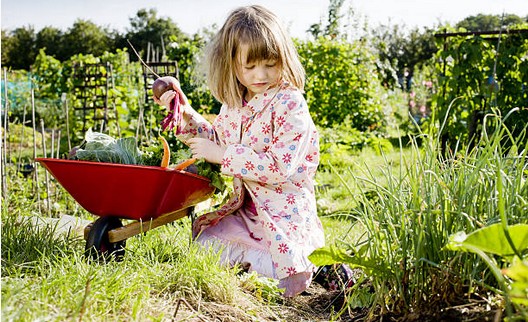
(207, 149)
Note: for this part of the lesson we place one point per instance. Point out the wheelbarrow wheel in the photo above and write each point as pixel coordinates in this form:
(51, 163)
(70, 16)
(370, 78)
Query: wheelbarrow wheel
(98, 246)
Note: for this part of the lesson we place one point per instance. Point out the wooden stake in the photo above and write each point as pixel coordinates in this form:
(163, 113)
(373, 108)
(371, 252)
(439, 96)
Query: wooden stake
(52, 142)
(35, 171)
(65, 100)
(114, 105)
(46, 175)
(22, 138)
(3, 148)
(58, 144)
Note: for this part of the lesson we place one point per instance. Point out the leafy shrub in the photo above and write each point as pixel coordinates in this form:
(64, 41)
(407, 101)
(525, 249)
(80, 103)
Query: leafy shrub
(342, 85)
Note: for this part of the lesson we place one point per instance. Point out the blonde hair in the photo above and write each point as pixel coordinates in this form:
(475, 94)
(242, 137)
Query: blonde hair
(259, 29)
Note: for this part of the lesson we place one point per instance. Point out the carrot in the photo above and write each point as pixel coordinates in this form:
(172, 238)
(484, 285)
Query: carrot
(185, 164)
(166, 153)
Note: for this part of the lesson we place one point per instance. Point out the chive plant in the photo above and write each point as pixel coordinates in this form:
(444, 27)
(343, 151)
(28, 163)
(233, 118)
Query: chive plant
(409, 213)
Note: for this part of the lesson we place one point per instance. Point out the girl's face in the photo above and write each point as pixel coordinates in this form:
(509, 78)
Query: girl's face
(257, 76)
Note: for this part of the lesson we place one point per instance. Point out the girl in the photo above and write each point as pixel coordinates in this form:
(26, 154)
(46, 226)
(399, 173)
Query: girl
(265, 138)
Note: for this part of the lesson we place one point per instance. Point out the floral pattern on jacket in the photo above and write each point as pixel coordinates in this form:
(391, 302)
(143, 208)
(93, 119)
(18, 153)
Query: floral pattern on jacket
(272, 153)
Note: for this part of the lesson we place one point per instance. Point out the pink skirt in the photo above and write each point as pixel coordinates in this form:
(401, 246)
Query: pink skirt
(232, 237)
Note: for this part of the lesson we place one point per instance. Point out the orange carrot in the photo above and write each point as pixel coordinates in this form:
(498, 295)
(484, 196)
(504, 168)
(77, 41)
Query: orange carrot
(166, 153)
(185, 164)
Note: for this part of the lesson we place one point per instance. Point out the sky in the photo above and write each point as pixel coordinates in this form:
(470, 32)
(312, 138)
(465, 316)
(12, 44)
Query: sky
(297, 15)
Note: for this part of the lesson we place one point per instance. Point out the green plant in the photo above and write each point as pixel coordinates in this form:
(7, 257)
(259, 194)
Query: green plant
(264, 288)
(341, 83)
(477, 74)
(53, 84)
(410, 215)
(510, 244)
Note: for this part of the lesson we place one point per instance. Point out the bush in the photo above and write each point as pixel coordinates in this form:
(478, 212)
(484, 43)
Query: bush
(342, 85)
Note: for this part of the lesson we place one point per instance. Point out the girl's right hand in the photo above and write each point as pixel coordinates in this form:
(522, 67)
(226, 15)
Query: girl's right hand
(167, 97)
(178, 112)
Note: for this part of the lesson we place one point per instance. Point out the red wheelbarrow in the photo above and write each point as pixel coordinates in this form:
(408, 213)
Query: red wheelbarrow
(150, 196)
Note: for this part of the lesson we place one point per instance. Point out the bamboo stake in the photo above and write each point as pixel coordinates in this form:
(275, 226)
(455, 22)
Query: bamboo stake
(45, 153)
(35, 172)
(114, 105)
(6, 119)
(58, 144)
(52, 142)
(22, 135)
(148, 51)
(3, 147)
(162, 48)
(140, 118)
(65, 100)
(56, 191)
(147, 132)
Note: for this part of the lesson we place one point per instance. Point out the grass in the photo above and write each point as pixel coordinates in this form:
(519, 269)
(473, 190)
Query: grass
(334, 197)
(46, 276)
(392, 210)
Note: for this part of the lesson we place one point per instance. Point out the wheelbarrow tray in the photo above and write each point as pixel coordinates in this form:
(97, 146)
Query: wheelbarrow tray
(128, 191)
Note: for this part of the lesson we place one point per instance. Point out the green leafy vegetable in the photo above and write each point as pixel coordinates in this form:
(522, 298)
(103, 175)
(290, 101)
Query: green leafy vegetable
(104, 148)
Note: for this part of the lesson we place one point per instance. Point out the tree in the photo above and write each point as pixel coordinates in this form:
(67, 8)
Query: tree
(147, 28)
(342, 86)
(482, 22)
(403, 51)
(6, 42)
(19, 48)
(333, 25)
(85, 37)
(50, 39)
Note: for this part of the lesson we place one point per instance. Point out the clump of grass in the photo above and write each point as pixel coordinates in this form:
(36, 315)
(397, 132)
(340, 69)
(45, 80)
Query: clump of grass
(333, 199)
(45, 276)
(184, 267)
(25, 244)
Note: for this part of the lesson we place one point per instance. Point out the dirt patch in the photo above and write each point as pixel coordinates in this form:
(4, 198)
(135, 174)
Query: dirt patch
(318, 304)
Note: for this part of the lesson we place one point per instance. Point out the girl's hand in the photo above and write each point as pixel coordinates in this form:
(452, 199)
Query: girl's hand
(165, 99)
(207, 149)
(168, 96)
(178, 108)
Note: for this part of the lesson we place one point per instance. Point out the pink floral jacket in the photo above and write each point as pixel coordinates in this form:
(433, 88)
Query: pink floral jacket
(272, 151)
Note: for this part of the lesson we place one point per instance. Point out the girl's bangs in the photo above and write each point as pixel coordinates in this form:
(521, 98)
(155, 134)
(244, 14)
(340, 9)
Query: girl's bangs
(260, 46)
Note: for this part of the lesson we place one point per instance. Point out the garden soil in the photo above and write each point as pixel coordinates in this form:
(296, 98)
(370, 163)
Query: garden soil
(318, 304)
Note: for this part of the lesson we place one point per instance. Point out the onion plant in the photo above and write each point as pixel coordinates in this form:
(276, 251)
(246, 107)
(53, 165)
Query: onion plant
(408, 215)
